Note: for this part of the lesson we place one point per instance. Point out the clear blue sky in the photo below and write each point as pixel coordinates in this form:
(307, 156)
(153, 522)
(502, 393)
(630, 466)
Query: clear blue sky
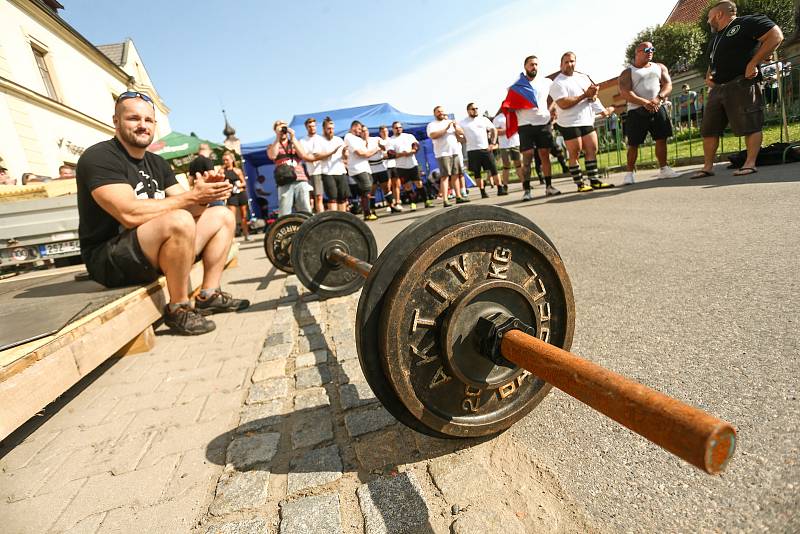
(264, 60)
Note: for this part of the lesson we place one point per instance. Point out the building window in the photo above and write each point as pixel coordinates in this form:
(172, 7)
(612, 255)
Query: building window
(44, 70)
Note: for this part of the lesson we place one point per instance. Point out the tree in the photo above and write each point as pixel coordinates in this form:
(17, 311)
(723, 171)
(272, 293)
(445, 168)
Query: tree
(784, 13)
(678, 45)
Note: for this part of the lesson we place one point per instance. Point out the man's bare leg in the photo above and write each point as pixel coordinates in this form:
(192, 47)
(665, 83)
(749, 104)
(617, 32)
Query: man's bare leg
(168, 243)
(213, 238)
(633, 155)
(753, 144)
(661, 152)
(710, 145)
(444, 185)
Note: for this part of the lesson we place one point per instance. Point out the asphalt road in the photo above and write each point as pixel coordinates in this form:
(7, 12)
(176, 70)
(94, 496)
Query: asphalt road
(691, 287)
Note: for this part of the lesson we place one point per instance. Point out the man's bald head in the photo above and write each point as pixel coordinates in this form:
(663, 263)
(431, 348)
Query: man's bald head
(135, 122)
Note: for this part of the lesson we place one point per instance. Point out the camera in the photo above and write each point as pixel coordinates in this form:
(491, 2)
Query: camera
(284, 129)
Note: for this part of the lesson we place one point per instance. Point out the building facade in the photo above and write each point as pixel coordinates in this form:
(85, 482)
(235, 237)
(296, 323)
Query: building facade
(57, 90)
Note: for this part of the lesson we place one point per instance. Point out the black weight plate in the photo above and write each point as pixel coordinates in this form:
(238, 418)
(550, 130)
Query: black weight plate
(380, 277)
(428, 346)
(318, 236)
(278, 240)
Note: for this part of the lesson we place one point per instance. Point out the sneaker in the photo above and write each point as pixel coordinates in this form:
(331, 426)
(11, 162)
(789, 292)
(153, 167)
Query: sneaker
(502, 190)
(462, 200)
(465, 192)
(527, 195)
(446, 204)
(551, 191)
(667, 172)
(629, 179)
(219, 302)
(429, 203)
(484, 194)
(248, 237)
(583, 187)
(397, 208)
(389, 209)
(413, 206)
(187, 321)
(371, 217)
(599, 184)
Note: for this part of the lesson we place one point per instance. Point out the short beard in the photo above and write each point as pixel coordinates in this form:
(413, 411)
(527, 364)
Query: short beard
(532, 74)
(130, 138)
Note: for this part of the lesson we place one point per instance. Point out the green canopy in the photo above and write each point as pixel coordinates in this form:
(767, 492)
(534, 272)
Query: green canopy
(179, 149)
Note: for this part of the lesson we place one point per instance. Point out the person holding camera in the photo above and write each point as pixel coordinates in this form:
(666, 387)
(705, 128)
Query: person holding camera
(290, 177)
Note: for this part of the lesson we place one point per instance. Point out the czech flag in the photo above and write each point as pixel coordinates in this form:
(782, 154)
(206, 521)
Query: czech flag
(520, 96)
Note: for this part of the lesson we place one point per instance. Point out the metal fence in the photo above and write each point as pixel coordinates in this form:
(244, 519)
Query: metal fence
(781, 88)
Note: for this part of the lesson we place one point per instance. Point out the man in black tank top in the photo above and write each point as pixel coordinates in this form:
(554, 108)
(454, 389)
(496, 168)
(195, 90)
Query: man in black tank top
(738, 46)
(136, 221)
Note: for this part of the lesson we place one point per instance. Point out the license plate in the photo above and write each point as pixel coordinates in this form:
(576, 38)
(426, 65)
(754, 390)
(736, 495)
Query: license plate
(63, 247)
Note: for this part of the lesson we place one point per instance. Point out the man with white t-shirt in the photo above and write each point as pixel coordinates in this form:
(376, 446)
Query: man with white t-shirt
(313, 147)
(446, 135)
(405, 147)
(334, 174)
(508, 150)
(575, 96)
(391, 189)
(536, 131)
(358, 154)
(479, 133)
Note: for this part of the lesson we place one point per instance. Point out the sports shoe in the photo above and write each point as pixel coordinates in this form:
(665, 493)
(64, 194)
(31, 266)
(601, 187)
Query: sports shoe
(629, 179)
(551, 191)
(527, 195)
(462, 200)
(484, 194)
(583, 187)
(397, 208)
(429, 203)
(248, 237)
(187, 321)
(413, 206)
(667, 172)
(389, 209)
(371, 217)
(219, 302)
(465, 192)
(502, 190)
(599, 184)
(446, 204)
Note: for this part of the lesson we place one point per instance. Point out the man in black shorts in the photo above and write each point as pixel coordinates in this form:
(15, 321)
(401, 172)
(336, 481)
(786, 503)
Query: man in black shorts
(739, 45)
(137, 221)
(645, 85)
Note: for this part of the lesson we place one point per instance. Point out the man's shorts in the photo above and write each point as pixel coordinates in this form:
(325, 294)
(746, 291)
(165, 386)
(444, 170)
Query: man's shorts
(739, 102)
(337, 188)
(120, 262)
(238, 199)
(408, 175)
(450, 165)
(392, 173)
(316, 183)
(531, 137)
(641, 122)
(481, 160)
(364, 181)
(573, 132)
(380, 177)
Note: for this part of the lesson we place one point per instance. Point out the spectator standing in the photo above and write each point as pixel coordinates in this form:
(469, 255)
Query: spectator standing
(645, 85)
(312, 145)
(237, 202)
(739, 45)
(262, 195)
(687, 107)
(508, 150)
(379, 168)
(479, 133)
(287, 154)
(445, 134)
(358, 167)
(405, 148)
(334, 172)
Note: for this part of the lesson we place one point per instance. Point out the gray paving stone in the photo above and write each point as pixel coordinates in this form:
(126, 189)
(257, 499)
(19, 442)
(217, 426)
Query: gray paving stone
(311, 329)
(354, 395)
(240, 491)
(461, 479)
(309, 359)
(313, 376)
(395, 504)
(311, 343)
(488, 519)
(312, 429)
(247, 451)
(273, 352)
(311, 515)
(315, 468)
(247, 526)
(278, 338)
(262, 415)
(346, 350)
(268, 390)
(367, 420)
(350, 372)
(307, 313)
(270, 369)
(311, 398)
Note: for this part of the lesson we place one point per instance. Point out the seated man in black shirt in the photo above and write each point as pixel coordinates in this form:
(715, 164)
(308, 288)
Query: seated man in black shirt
(737, 48)
(137, 221)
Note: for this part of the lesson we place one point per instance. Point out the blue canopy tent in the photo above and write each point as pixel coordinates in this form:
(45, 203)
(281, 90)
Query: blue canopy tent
(373, 116)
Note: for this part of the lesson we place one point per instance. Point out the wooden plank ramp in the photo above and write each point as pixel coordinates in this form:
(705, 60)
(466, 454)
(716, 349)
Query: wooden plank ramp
(35, 374)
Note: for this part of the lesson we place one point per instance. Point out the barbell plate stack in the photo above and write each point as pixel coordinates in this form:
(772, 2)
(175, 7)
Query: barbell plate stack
(278, 240)
(313, 244)
(428, 346)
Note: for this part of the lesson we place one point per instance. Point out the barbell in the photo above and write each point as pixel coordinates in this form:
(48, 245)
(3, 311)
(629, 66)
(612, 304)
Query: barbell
(465, 322)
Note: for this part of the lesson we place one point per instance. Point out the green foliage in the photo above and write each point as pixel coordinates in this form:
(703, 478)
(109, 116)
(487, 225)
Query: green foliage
(781, 12)
(678, 45)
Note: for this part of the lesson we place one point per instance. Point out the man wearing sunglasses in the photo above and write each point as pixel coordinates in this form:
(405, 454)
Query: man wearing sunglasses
(137, 221)
(645, 85)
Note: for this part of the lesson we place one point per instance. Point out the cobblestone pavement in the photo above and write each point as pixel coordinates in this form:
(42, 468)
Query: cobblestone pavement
(264, 425)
